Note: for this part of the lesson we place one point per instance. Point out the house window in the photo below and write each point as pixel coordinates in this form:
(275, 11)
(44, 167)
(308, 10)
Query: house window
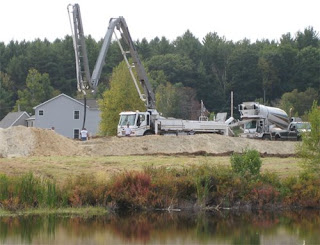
(40, 112)
(76, 133)
(76, 115)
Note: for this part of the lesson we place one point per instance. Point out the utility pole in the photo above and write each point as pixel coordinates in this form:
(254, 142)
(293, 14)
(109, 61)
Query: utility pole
(231, 111)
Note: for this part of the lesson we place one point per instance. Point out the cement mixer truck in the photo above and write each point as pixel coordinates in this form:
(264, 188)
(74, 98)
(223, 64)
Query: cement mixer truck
(260, 121)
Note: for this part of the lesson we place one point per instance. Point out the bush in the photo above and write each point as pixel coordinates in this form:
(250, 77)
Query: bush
(309, 150)
(131, 190)
(247, 163)
(304, 191)
(84, 190)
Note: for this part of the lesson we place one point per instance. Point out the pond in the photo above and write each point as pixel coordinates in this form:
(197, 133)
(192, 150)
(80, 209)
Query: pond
(287, 227)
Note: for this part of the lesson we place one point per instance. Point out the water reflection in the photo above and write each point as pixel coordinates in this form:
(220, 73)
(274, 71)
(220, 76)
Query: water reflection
(299, 227)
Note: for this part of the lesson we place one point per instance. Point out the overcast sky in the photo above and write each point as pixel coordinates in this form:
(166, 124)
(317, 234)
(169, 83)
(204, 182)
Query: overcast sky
(234, 19)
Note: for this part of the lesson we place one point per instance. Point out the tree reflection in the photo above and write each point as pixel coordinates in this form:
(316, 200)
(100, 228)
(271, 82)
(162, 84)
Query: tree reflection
(166, 228)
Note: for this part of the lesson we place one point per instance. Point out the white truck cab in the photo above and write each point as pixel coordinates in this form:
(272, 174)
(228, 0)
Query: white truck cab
(139, 122)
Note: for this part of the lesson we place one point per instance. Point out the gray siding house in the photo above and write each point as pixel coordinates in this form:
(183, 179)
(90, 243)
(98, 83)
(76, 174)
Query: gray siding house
(65, 114)
(14, 119)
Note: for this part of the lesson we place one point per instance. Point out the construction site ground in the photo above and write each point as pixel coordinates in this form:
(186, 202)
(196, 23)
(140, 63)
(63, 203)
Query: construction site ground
(25, 149)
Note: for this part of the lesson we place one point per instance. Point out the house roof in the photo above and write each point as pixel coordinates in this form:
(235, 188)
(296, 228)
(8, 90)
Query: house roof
(11, 118)
(32, 117)
(91, 103)
(54, 98)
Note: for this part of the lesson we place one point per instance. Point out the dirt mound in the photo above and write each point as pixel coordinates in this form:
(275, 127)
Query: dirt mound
(211, 144)
(22, 141)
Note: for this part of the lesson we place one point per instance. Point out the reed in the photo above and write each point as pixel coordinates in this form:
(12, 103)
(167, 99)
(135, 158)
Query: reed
(205, 186)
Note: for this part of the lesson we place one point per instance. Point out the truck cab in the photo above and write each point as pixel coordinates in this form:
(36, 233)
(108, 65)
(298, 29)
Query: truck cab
(293, 132)
(139, 122)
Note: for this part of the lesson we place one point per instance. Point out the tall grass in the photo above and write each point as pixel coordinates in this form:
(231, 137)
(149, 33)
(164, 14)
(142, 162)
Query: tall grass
(26, 191)
(4, 184)
(153, 187)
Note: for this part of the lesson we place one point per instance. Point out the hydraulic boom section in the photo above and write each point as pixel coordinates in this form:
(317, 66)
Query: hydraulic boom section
(82, 64)
(121, 25)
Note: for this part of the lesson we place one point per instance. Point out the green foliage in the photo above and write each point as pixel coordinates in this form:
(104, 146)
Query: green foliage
(51, 195)
(309, 150)
(6, 87)
(177, 68)
(300, 102)
(38, 90)
(248, 162)
(4, 184)
(213, 66)
(27, 191)
(303, 191)
(188, 45)
(122, 96)
(170, 186)
(205, 186)
(177, 101)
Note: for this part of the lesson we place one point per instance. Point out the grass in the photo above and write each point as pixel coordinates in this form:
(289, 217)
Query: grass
(83, 211)
(60, 168)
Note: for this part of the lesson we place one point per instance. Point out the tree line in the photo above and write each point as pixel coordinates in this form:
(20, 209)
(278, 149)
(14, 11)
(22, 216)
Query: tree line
(184, 71)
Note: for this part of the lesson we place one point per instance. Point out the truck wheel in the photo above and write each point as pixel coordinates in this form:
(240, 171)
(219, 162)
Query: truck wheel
(148, 133)
(191, 132)
(266, 137)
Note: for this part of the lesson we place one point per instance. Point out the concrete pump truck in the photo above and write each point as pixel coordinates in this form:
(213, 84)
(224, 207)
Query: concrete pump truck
(140, 123)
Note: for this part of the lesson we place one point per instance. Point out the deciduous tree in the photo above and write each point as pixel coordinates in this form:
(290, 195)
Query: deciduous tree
(38, 90)
(122, 96)
(298, 102)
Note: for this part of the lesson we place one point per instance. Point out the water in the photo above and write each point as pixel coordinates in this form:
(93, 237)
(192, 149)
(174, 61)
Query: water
(299, 227)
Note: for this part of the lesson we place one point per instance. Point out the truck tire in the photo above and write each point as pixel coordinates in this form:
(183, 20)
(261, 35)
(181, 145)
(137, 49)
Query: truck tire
(266, 137)
(148, 133)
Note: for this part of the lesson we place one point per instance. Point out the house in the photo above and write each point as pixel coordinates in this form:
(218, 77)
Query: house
(65, 114)
(14, 119)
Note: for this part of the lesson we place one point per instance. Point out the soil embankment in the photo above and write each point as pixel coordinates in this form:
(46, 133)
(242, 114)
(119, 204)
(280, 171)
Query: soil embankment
(22, 141)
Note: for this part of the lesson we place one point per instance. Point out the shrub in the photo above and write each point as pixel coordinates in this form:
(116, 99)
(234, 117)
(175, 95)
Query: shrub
(248, 162)
(170, 185)
(303, 191)
(309, 150)
(84, 190)
(131, 190)
(263, 194)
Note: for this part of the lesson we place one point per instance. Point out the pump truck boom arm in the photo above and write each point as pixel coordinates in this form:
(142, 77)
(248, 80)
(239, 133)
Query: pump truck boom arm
(82, 65)
(121, 25)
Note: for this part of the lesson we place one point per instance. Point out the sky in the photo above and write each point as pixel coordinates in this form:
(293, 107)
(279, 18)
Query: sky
(234, 19)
